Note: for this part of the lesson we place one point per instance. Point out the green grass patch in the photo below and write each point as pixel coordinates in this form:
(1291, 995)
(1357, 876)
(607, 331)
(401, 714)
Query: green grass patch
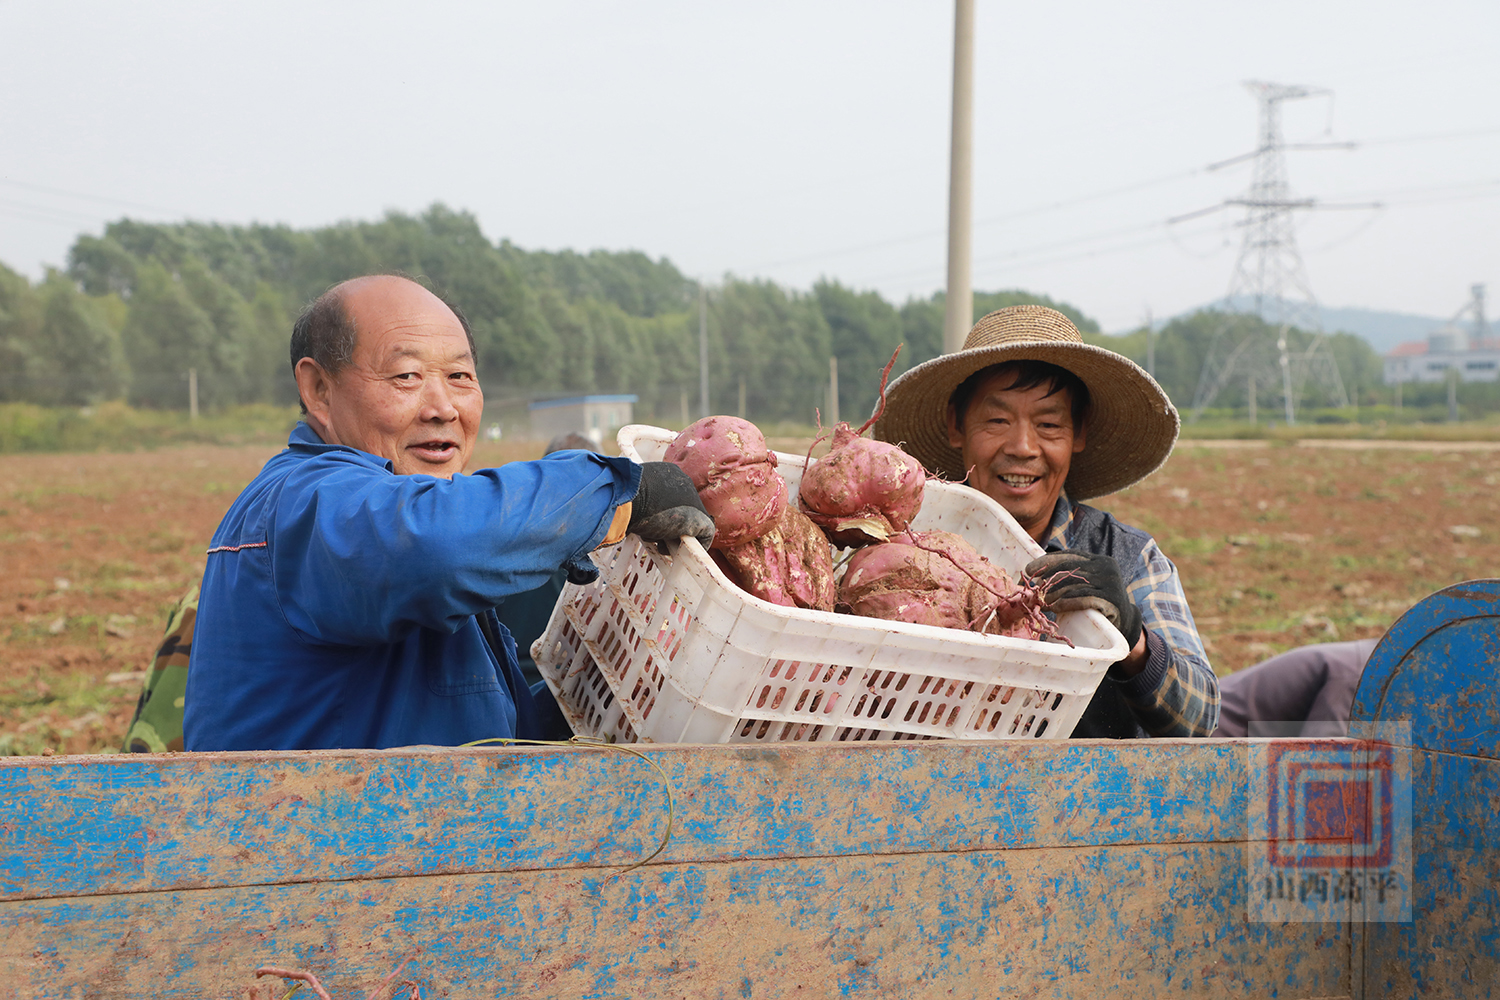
(118, 427)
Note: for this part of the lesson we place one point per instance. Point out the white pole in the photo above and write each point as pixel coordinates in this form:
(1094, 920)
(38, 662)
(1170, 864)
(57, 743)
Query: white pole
(702, 349)
(833, 391)
(192, 394)
(1150, 345)
(958, 314)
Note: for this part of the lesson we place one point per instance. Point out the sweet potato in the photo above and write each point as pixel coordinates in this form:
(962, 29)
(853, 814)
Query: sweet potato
(735, 473)
(937, 578)
(863, 491)
(790, 565)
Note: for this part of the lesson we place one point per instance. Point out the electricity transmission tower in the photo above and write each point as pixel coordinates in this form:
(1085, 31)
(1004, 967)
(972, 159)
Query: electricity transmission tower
(1270, 274)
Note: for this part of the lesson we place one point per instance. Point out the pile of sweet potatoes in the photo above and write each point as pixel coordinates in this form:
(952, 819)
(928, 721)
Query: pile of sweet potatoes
(863, 495)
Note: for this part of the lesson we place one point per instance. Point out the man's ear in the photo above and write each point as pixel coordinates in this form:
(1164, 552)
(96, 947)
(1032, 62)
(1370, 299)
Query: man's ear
(315, 386)
(1080, 436)
(955, 432)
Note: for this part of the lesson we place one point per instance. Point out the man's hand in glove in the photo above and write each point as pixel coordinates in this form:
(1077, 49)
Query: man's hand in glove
(1094, 582)
(666, 507)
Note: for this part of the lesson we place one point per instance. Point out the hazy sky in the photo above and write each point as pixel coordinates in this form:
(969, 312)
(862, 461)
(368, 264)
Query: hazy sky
(774, 139)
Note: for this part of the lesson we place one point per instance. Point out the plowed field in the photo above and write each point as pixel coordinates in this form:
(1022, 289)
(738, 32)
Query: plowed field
(1277, 546)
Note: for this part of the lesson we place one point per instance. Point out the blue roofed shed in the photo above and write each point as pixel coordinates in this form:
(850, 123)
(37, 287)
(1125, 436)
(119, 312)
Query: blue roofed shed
(591, 416)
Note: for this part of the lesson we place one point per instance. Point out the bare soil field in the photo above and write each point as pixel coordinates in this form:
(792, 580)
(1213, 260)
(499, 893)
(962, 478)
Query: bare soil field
(1278, 546)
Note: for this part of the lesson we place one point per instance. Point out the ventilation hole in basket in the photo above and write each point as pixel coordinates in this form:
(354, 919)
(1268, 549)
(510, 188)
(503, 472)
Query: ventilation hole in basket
(901, 682)
(1030, 719)
(845, 675)
(801, 700)
(791, 670)
(875, 704)
(968, 688)
(890, 706)
(780, 697)
(1041, 729)
(953, 716)
(910, 711)
(926, 708)
(886, 680)
(746, 726)
(1006, 695)
(1015, 723)
(926, 683)
(1029, 700)
(765, 693)
(1057, 701)
(765, 727)
(859, 706)
(646, 708)
(787, 732)
(815, 734)
(776, 668)
(817, 697)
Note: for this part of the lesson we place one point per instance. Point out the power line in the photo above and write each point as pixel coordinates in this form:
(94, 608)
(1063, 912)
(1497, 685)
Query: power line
(992, 220)
(60, 192)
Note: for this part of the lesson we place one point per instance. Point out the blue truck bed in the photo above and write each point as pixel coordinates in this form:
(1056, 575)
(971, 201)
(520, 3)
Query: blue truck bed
(940, 869)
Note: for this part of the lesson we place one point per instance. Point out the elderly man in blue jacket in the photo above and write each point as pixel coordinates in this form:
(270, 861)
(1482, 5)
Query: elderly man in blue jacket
(349, 595)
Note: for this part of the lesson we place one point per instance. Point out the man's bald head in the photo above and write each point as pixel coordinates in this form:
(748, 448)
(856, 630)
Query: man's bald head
(396, 379)
(327, 331)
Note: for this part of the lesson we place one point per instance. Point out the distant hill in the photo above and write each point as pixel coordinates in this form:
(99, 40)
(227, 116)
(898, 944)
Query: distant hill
(1381, 330)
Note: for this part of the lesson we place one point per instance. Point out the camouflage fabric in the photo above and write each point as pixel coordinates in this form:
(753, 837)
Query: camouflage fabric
(157, 726)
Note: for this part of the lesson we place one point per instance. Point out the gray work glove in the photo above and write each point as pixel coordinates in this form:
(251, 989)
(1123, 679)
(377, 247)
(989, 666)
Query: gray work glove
(1094, 583)
(666, 507)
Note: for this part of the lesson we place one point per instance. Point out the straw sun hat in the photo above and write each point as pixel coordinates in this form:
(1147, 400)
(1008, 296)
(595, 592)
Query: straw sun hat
(1131, 424)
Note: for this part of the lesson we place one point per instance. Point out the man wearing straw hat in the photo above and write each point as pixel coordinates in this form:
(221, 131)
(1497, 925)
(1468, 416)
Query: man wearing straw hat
(1030, 415)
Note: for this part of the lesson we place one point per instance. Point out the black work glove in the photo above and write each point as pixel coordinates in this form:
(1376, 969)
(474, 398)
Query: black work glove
(666, 506)
(1094, 582)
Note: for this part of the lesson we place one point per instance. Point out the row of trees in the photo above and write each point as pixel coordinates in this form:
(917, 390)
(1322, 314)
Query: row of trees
(142, 304)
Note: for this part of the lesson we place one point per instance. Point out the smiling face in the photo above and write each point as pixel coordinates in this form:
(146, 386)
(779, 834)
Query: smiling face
(1019, 445)
(410, 393)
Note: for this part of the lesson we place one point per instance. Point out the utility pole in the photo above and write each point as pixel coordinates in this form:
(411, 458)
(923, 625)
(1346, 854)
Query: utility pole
(1481, 326)
(192, 394)
(742, 397)
(958, 311)
(703, 349)
(1270, 271)
(833, 391)
(1250, 395)
(1150, 345)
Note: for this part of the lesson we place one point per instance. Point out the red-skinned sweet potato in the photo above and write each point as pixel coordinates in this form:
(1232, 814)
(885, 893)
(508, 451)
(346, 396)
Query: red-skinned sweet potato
(790, 565)
(863, 491)
(937, 578)
(735, 473)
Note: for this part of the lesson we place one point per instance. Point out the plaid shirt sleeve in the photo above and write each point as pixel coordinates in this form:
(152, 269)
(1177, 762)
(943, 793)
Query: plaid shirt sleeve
(1177, 693)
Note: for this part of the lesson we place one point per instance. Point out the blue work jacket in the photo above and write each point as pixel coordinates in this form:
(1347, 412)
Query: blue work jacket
(341, 605)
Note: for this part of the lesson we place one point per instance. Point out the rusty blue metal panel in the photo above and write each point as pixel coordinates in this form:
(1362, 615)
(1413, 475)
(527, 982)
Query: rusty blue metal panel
(1436, 668)
(1128, 922)
(133, 823)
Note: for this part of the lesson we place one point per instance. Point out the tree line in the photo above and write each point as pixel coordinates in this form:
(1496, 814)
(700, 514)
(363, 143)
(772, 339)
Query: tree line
(139, 306)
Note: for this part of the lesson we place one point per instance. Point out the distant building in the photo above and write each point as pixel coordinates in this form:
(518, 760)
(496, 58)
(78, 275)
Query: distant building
(591, 416)
(1476, 359)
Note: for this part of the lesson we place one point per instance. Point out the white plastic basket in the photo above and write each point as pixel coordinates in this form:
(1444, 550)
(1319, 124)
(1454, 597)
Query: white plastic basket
(665, 649)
